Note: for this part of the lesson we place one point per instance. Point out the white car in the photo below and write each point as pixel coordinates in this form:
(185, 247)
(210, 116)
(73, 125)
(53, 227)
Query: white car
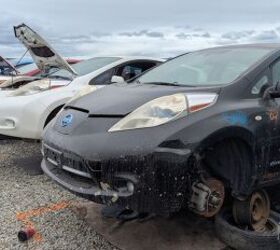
(7, 70)
(25, 111)
(44, 56)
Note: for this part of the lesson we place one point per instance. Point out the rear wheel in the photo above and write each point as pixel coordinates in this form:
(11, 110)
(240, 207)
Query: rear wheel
(252, 212)
(244, 239)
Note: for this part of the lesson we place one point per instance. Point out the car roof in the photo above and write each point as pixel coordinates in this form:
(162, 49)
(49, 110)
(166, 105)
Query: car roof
(127, 58)
(272, 46)
(142, 58)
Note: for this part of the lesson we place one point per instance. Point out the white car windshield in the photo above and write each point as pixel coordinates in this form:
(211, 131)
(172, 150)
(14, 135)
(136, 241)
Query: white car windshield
(207, 67)
(27, 68)
(85, 67)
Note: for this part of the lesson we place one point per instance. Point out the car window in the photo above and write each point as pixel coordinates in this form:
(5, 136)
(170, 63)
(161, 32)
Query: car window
(126, 70)
(102, 79)
(133, 69)
(260, 85)
(276, 72)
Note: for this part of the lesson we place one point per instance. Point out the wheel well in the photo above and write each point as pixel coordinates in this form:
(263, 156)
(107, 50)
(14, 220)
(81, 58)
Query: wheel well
(53, 114)
(237, 140)
(232, 161)
(229, 133)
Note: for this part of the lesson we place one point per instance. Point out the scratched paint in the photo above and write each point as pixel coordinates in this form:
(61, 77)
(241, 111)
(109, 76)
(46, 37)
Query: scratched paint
(236, 118)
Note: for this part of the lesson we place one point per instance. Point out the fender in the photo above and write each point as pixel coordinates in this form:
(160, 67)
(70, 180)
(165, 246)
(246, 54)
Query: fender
(230, 132)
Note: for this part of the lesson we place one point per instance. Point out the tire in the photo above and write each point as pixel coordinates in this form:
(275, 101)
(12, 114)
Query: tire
(252, 212)
(241, 239)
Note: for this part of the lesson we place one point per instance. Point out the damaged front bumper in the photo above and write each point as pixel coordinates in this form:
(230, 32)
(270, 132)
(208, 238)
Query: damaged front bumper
(154, 183)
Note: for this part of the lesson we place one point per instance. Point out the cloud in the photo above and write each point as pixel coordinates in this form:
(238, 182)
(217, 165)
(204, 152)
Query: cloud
(266, 35)
(154, 34)
(164, 28)
(183, 35)
(159, 41)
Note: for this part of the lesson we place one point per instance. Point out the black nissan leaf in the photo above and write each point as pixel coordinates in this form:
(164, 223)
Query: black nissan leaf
(198, 128)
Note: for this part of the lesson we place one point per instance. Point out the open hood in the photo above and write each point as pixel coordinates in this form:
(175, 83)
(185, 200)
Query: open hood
(42, 53)
(6, 68)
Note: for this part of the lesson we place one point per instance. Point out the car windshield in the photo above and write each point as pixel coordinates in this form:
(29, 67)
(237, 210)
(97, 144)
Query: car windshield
(206, 67)
(85, 67)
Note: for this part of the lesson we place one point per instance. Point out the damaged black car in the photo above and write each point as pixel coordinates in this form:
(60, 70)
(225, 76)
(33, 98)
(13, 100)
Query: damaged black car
(198, 128)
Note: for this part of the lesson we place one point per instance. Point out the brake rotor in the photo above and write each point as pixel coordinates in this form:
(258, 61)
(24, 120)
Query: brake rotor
(214, 198)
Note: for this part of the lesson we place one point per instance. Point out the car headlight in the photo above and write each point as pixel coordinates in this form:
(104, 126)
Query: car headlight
(84, 91)
(164, 109)
(34, 88)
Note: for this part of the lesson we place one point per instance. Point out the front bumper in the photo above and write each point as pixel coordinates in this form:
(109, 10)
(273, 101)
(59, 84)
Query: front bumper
(21, 117)
(153, 183)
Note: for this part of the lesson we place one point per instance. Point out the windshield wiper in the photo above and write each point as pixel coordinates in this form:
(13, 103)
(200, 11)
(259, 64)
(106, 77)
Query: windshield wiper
(165, 83)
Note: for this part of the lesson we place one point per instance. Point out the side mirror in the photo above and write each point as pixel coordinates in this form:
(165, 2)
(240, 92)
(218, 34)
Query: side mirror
(117, 79)
(272, 92)
(275, 94)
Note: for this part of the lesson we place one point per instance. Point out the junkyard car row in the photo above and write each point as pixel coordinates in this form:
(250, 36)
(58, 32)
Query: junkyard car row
(199, 131)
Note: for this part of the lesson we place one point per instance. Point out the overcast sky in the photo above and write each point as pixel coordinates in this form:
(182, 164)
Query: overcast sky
(131, 27)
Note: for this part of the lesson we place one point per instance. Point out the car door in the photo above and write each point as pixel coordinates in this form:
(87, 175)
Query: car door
(271, 130)
(261, 126)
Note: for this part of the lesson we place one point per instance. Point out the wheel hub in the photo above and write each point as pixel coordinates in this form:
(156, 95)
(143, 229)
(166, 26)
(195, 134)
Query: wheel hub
(260, 208)
(207, 198)
(253, 212)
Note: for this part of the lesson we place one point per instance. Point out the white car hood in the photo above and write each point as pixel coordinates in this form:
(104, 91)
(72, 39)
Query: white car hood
(4, 78)
(42, 82)
(42, 53)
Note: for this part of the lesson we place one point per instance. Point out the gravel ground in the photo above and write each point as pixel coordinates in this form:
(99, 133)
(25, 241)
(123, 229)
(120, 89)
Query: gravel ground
(28, 199)
(59, 229)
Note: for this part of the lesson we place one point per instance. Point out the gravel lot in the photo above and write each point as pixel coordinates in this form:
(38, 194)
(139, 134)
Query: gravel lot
(59, 229)
(28, 199)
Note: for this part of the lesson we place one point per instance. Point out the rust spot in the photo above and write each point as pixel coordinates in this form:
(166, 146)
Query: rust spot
(273, 115)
